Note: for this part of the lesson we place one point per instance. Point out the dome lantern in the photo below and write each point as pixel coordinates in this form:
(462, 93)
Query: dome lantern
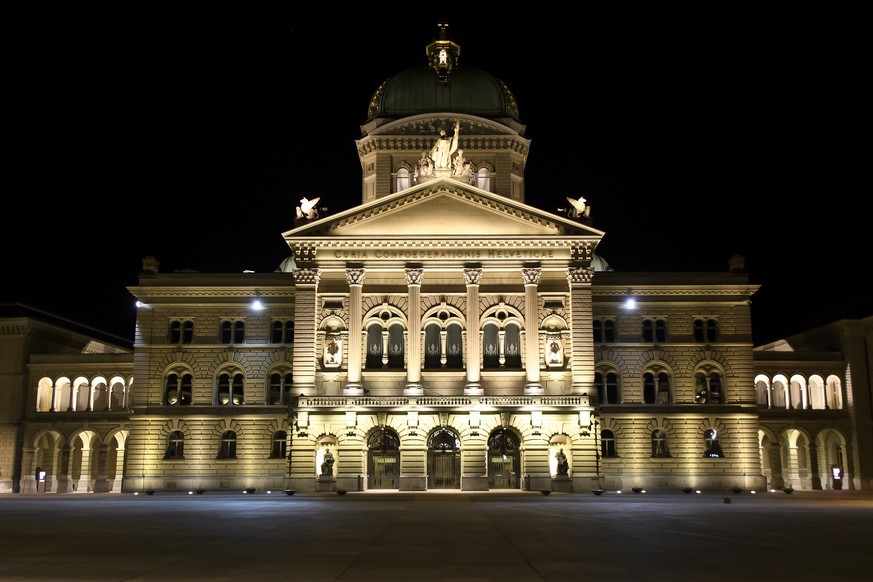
(443, 53)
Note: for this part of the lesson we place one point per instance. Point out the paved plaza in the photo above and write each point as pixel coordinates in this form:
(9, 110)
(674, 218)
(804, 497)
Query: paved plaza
(430, 536)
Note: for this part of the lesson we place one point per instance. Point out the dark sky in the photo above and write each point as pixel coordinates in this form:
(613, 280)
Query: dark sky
(190, 131)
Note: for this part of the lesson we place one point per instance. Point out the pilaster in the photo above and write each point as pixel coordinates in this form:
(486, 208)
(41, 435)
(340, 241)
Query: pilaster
(306, 282)
(581, 327)
(413, 349)
(355, 278)
(531, 278)
(472, 277)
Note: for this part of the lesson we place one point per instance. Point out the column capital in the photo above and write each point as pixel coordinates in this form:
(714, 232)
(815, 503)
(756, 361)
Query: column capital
(355, 275)
(414, 276)
(580, 275)
(531, 275)
(306, 276)
(472, 276)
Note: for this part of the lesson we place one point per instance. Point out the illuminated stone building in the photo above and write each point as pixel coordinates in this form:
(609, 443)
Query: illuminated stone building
(444, 334)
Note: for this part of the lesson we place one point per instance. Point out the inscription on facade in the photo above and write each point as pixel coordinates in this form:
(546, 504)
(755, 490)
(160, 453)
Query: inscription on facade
(446, 254)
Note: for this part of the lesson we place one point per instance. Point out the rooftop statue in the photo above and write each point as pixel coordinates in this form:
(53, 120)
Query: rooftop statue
(308, 208)
(444, 147)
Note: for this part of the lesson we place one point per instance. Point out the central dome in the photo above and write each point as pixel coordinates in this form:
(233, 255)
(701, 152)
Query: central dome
(443, 86)
(466, 90)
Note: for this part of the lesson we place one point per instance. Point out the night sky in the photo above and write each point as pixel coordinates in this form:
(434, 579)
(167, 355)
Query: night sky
(190, 131)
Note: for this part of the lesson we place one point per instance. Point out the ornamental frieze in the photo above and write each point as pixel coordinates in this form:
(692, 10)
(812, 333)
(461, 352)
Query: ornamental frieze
(580, 275)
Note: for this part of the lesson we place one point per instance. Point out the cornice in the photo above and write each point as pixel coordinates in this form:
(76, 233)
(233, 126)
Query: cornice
(690, 289)
(215, 292)
(421, 143)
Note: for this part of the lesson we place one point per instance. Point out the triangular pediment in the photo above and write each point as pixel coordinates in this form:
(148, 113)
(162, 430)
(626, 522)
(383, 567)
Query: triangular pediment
(444, 208)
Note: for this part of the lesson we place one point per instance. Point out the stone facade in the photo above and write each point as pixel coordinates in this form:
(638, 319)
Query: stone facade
(444, 334)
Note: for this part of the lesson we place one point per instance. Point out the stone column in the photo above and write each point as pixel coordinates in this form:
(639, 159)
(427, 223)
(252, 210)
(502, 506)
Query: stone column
(581, 329)
(355, 278)
(472, 277)
(531, 277)
(57, 469)
(120, 452)
(305, 350)
(101, 480)
(413, 347)
(83, 485)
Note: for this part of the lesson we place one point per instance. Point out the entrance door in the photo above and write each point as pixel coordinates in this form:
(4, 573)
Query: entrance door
(444, 460)
(504, 460)
(383, 466)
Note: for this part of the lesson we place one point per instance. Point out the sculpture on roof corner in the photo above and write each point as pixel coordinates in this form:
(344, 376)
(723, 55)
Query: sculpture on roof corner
(308, 209)
(579, 210)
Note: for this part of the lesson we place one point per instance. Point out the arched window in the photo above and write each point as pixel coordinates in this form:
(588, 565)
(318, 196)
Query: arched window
(233, 332)
(512, 346)
(648, 330)
(283, 332)
(181, 332)
(705, 330)
(609, 330)
(117, 394)
(227, 446)
(656, 388)
(82, 394)
(833, 393)
(279, 449)
(280, 388)
(177, 390)
(797, 393)
(654, 330)
(396, 346)
(454, 347)
(711, 444)
(432, 347)
(483, 179)
(187, 332)
(607, 387)
(175, 445)
(231, 389)
(604, 330)
(374, 346)
(762, 388)
(607, 444)
(175, 333)
(660, 331)
(443, 346)
(659, 444)
(708, 388)
(403, 181)
(491, 347)
(44, 395)
(779, 393)
(100, 395)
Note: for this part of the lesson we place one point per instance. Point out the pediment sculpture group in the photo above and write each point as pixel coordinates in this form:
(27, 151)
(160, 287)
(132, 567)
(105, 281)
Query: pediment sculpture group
(439, 161)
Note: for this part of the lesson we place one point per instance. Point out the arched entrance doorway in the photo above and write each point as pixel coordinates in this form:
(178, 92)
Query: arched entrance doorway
(383, 460)
(504, 460)
(444, 460)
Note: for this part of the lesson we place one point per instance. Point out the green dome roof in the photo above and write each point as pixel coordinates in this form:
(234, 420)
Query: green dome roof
(466, 90)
